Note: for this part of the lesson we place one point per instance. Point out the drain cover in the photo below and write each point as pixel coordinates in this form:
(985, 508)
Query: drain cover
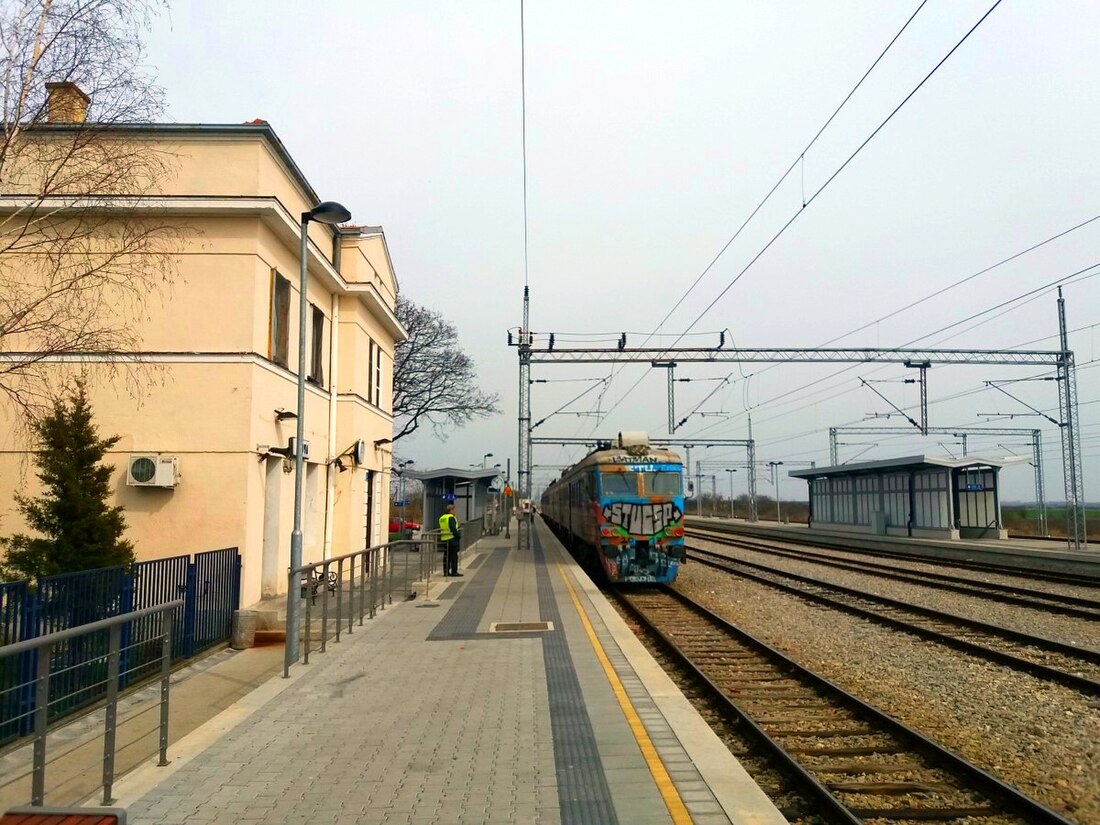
(519, 627)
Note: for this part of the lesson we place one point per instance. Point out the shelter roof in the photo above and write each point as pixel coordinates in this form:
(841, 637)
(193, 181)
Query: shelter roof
(478, 474)
(911, 462)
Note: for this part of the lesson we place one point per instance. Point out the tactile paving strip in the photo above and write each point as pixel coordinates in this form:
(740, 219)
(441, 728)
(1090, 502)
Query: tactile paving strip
(583, 793)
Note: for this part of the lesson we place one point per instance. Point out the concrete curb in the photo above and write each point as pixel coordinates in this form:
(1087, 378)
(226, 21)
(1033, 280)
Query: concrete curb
(737, 792)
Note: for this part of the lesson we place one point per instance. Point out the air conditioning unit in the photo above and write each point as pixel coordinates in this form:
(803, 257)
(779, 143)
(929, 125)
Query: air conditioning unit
(153, 471)
(292, 449)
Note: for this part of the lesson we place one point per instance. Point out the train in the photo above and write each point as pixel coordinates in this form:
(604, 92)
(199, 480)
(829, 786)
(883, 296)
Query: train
(621, 509)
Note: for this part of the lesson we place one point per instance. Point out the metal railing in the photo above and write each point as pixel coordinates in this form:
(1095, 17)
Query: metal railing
(342, 591)
(354, 586)
(97, 651)
(208, 583)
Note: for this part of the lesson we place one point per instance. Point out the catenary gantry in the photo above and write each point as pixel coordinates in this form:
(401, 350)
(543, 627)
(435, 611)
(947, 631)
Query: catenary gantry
(539, 348)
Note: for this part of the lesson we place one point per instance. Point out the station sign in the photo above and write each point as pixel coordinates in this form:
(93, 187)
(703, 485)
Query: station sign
(508, 490)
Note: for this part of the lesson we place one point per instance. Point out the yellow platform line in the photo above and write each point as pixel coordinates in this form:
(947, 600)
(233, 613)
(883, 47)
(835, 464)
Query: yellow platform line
(676, 808)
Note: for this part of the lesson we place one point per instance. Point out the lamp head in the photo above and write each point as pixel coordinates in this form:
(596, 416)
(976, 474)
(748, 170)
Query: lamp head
(329, 212)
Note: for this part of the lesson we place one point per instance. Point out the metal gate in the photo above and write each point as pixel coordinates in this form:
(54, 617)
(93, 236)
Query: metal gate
(209, 584)
(215, 581)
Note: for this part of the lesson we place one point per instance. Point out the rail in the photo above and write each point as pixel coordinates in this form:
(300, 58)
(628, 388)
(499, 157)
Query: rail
(82, 648)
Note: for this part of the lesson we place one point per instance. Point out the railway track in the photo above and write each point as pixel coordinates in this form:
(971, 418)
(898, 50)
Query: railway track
(914, 558)
(857, 762)
(1075, 667)
(1056, 603)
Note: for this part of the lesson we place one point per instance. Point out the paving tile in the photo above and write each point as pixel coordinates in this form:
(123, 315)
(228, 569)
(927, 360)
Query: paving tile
(431, 719)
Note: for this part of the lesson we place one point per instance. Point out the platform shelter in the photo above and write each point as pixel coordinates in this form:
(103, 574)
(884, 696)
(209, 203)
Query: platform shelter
(921, 496)
(471, 492)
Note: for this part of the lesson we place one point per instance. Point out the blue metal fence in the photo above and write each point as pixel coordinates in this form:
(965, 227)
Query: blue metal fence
(209, 585)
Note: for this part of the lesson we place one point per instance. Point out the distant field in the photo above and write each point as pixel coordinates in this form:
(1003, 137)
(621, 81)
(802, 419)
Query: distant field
(1022, 520)
(1052, 512)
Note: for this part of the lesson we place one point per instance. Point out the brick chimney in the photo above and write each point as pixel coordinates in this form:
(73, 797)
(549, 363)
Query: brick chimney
(66, 103)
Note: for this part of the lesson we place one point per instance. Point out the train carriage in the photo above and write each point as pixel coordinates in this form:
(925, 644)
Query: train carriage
(622, 506)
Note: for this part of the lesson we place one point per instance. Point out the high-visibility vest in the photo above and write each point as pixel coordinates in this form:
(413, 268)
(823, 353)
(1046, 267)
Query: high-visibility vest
(445, 533)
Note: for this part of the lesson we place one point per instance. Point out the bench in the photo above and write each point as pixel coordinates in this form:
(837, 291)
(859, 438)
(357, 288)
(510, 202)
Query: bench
(315, 581)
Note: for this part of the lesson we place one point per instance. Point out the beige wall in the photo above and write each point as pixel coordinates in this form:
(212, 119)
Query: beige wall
(206, 391)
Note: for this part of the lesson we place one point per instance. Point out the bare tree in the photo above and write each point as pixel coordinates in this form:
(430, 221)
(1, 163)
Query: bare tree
(433, 379)
(78, 259)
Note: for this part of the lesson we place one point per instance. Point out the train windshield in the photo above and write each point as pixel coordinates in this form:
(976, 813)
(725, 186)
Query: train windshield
(619, 483)
(662, 483)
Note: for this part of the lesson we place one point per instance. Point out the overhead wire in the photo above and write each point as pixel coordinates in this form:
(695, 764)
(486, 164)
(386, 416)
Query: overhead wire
(842, 166)
(800, 159)
(1030, 295)
(523, 130)
(940, 291)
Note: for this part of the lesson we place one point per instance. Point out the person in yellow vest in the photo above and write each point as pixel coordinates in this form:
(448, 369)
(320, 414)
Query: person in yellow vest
(450, 535)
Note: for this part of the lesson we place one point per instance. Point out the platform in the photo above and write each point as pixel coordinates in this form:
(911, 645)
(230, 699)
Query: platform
(1027, 554)
(438, 711)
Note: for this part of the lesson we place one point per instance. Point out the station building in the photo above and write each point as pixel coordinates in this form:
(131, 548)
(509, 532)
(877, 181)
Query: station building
(205, 402)
(921, 496)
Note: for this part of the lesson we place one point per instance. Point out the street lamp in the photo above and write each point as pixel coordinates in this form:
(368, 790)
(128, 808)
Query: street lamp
(483, 458)
(731, 472)
(775, 483)
(326, 212)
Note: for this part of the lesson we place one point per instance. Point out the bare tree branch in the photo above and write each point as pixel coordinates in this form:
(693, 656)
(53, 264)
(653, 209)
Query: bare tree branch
(434, 381)
(78, 261)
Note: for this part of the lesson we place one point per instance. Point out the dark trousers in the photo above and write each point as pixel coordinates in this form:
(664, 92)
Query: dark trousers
(450, 557)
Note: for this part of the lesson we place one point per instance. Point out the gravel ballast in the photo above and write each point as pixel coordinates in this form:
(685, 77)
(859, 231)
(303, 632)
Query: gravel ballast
(1040, 737)
(1067, 629)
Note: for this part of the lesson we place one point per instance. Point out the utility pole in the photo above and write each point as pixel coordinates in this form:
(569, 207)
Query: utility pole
(1076, 530)
(523, 525)
(731, 472)
(713, 494)
(753, 515)
(507, 503)
(698, 489)
(775, 482)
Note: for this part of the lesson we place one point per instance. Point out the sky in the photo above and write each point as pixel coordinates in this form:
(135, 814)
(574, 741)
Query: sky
(653, 131)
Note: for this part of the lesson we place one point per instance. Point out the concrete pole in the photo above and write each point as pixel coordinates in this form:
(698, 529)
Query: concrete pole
(293, 602)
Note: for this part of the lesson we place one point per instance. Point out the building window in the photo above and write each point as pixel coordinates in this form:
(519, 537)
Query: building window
(317, 346)
(374, 374)
(279, 345)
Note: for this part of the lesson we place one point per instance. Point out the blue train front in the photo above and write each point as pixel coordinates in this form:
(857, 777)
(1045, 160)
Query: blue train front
(622, 507)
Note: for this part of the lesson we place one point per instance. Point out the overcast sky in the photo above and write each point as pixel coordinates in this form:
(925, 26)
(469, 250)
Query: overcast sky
(653, 132)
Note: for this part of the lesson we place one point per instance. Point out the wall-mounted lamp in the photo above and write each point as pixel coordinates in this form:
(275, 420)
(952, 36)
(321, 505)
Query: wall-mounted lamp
(284, 415)
(378, 442)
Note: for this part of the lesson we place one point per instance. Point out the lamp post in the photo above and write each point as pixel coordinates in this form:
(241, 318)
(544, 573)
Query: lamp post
(401, 475)
(775, 483)
(484, 458)
(327, 212)
(731, 472)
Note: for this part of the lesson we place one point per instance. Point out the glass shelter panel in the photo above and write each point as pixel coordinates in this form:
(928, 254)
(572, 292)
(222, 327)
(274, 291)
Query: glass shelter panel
(977, 499)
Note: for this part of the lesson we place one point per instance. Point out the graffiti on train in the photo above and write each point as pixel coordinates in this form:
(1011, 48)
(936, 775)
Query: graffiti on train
(641, 519)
